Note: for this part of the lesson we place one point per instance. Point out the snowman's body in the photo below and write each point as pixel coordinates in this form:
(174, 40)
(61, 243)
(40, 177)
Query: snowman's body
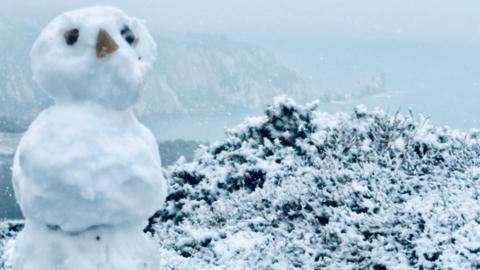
(100, 248)
(80, 166)
(87, 174)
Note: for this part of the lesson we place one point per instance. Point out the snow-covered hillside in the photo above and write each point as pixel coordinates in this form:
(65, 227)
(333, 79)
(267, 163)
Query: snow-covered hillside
(203, 73)
(20, 101)
(226, 75)
(196, 74)
(301, 189)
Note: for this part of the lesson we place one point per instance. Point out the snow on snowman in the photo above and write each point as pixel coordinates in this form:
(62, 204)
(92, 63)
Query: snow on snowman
(87, 173)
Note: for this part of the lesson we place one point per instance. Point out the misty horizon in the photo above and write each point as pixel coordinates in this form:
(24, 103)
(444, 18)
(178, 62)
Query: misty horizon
(426, 50)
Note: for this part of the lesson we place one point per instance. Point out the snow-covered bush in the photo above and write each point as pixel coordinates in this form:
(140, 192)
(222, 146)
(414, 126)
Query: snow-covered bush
(8, 231)
(298, 188)
(301, 189)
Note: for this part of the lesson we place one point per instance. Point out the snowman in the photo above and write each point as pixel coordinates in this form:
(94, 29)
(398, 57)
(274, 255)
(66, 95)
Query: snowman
(87, 173)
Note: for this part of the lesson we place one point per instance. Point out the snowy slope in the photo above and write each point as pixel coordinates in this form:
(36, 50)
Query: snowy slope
(301, 189)
(20, 101)
(224, 74)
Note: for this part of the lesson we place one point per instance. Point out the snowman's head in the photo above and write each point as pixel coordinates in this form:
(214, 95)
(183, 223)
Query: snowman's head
(96, 54)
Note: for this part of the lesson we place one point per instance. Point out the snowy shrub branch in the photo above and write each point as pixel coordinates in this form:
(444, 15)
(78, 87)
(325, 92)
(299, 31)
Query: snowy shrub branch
(301, 189)
(298, 188)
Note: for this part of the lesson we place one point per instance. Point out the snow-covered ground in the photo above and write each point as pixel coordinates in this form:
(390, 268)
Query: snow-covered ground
(301, 189)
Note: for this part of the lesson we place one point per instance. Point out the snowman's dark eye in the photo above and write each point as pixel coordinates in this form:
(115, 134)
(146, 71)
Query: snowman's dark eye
(128, 35)
(71, 36)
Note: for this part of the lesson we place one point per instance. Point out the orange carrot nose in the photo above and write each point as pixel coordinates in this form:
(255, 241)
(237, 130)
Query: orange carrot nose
(105, 44)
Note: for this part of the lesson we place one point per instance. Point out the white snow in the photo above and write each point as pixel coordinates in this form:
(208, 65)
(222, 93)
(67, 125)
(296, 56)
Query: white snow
(121, 247)
(87, 174)
(322, 192)
(304, 190)
(80, 166)
(74, 73)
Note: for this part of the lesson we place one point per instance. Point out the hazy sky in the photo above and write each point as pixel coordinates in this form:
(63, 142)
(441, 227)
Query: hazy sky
(426, 20)
(371, 19)
(428, 49)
